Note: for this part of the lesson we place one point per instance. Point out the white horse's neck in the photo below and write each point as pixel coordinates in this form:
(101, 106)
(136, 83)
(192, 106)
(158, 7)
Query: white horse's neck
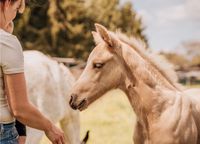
(143, 85)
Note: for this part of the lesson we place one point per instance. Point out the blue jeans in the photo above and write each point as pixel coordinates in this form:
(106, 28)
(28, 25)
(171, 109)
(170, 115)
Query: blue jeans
(8, 134)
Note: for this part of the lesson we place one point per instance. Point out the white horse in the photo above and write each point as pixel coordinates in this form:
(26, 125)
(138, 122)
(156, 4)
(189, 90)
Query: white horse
(49, 83)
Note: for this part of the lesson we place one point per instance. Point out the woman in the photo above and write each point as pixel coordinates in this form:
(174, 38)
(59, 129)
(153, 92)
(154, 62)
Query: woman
(13, 96)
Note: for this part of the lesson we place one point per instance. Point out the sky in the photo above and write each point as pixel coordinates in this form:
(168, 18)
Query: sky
(169, 22)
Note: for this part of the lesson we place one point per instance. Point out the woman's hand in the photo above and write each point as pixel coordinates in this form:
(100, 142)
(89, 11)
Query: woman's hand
(22, 139)
(55, 135)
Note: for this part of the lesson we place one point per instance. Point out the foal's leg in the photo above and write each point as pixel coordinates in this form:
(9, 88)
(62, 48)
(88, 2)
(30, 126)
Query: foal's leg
(138, 136)
(71, 127)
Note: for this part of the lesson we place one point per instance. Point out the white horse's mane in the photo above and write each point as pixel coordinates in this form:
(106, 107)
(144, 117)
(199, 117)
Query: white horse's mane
(158, 61)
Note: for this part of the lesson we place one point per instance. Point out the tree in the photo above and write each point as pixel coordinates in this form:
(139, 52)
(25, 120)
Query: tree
(176, 59)
(63, 27)
(192, 49)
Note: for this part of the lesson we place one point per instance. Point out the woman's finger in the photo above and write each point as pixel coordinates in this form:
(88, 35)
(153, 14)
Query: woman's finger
(60, 142)
(63, 140)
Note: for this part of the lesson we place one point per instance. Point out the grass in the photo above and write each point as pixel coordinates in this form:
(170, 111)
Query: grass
(110, 120)
(193, 86)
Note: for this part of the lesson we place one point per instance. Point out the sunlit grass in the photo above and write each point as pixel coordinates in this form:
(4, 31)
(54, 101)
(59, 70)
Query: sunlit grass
(110, 120)
(193, 86)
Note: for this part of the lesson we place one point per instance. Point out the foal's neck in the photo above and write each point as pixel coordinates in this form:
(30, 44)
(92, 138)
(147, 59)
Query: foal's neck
(143, 84)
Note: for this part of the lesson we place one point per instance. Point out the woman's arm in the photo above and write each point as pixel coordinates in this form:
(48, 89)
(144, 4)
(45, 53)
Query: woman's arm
(25, 112)
(21, 128)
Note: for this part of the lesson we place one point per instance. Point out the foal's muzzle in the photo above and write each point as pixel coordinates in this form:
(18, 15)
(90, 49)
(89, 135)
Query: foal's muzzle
(72, 101)
(76, 104)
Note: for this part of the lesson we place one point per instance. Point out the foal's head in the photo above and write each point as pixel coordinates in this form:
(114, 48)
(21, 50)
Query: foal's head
(103, 72)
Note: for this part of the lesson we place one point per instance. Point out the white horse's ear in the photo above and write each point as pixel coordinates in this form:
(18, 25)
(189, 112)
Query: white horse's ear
(105, 35)
(97, 37)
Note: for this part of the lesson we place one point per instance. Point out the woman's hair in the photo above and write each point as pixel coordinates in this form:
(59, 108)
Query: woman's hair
(3, 1)
(21, 8)
(31, 3)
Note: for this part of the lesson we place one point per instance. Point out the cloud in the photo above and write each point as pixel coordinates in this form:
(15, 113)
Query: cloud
(146, 17)
(193, 8)
(187, 11)
(169, 22)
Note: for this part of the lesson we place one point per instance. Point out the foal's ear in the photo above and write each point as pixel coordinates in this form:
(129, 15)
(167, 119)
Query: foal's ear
(106, 36)
(97, 37)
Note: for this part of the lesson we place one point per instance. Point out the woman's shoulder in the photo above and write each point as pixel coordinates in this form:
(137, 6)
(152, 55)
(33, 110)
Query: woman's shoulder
(8, 40)
(11, 53)
(5, 34)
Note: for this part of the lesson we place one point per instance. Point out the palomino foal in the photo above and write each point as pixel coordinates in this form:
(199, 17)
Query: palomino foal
(165, 114)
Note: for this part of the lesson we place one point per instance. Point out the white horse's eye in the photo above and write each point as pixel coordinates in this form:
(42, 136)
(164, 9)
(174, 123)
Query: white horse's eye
(98, 65)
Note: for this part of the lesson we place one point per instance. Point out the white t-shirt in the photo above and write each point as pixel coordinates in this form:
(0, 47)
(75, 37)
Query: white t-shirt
(11, 62)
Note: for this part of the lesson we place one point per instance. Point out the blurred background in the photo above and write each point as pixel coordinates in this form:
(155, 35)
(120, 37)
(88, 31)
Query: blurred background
(62, 28)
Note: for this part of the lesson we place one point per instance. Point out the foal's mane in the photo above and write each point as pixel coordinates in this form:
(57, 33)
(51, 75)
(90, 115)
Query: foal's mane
(160, 63)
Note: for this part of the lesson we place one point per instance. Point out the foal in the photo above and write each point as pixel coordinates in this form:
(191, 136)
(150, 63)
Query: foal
(165, 114)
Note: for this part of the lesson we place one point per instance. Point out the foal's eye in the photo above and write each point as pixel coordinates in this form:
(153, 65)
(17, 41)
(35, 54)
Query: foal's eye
(98, 65)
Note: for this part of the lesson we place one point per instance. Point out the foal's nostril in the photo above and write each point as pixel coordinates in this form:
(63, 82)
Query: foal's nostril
(72, 101)
(82, 103)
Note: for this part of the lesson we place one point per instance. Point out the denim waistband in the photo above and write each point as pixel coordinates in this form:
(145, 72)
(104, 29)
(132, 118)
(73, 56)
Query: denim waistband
(8, 133)
(8, 125)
